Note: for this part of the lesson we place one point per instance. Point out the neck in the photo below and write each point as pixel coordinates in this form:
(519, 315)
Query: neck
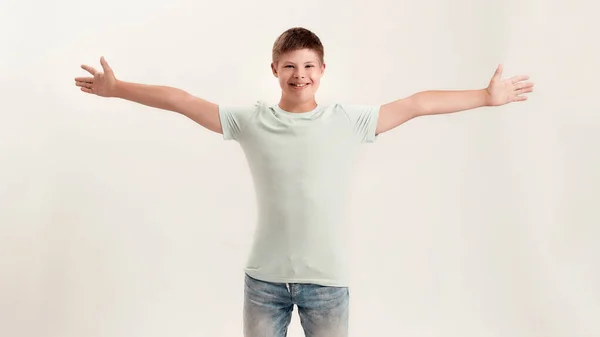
(297, 106)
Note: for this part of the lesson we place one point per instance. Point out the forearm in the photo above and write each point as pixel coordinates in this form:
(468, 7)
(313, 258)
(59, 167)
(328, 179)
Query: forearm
(157, 96)
(435, 102)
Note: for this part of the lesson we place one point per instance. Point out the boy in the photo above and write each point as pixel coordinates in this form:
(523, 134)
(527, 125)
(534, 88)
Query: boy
(299, 153)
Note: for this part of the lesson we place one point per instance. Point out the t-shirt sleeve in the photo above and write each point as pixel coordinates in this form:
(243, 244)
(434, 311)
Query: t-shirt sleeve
(234, 119)
(363, 119)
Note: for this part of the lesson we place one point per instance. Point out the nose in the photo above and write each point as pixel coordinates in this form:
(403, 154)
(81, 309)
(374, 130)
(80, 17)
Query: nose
(298, 74)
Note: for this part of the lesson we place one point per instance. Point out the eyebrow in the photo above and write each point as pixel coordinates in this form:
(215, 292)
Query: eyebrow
(286, 62)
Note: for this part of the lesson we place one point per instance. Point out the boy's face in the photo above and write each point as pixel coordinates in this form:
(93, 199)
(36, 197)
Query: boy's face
(299, 73)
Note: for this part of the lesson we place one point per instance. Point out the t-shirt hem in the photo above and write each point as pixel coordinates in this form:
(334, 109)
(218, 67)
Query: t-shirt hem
(226, 133)
(373, 135)
(320, 281)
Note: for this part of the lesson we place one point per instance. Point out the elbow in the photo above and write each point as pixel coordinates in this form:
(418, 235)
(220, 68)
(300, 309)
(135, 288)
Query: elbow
(416, 105)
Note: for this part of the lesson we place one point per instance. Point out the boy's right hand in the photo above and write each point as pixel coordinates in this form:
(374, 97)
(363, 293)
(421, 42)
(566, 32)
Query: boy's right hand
(101, 84)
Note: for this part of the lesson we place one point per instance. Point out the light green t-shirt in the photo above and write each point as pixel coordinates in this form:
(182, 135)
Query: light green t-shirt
(300, 165)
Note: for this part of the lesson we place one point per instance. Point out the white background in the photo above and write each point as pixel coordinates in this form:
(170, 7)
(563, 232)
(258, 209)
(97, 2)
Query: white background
(119, 220)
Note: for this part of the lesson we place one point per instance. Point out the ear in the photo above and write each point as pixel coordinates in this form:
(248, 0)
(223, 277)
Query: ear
(323, 66)
(274, 69)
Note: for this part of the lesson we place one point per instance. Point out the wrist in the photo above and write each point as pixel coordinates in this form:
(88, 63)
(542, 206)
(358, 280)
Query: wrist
(117, 89)
(486, 97)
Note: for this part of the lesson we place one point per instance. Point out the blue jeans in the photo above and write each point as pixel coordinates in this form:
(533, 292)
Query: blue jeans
(268, 309)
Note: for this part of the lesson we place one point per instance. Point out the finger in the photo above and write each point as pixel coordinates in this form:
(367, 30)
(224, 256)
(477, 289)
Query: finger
(105, 65)
(528, 85)
(521, 98)
(522, 86)
(519, 78)
(84, 79)
(89, 91)
(498, 72)
(524, 90)
(83, 84)
(89, 69)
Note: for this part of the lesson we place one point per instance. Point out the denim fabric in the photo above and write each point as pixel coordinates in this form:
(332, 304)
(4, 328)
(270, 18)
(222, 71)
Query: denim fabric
(268, 309)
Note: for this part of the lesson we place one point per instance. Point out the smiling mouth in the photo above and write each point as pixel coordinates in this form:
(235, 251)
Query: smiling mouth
(299, 85)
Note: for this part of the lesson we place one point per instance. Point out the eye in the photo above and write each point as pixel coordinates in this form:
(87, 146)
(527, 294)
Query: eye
(288, 66)
(310, 66)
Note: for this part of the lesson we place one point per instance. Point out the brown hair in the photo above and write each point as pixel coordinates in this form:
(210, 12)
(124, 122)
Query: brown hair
(297, 38)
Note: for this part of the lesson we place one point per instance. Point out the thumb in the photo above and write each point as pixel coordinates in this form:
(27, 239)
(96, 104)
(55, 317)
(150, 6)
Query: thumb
(498, 73)
(105, 66)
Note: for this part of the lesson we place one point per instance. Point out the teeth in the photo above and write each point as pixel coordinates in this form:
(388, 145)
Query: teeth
(299, 85)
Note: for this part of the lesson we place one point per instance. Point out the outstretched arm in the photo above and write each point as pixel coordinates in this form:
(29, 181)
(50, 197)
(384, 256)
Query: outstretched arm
(433, 102)
(105, 84)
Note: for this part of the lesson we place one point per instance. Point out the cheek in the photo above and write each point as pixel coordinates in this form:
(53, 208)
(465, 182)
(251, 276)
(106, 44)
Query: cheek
(316, 76)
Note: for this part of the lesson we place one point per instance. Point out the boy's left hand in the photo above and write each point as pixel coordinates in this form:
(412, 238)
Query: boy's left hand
(502, 91)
